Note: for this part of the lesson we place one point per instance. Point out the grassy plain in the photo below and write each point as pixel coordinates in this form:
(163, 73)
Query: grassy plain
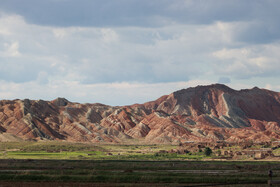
(124, 165)
(63, 150)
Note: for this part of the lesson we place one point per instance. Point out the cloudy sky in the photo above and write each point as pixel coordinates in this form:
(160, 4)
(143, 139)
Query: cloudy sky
(120, 52)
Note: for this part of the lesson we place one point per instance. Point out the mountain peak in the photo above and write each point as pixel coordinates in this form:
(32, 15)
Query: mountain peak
(60, 101)
(203, 113)
(202, 88)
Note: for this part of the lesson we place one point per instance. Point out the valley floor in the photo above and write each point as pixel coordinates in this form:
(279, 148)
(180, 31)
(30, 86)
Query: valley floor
(133, 173)
(77, 164)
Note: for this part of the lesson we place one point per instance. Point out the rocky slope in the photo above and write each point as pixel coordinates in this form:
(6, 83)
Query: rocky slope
(203, 113)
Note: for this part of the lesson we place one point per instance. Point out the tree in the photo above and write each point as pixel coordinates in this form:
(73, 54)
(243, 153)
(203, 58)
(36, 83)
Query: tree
(207, 151)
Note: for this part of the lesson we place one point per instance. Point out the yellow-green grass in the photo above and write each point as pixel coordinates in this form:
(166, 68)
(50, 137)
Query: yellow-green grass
(66, 150)
(80, 151)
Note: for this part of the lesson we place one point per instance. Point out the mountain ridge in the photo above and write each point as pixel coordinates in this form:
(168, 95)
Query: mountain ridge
(203, 113)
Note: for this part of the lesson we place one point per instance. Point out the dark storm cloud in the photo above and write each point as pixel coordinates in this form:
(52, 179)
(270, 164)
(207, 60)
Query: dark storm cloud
(259, 32)
(84, 12)
(145, 13)
(261, 15)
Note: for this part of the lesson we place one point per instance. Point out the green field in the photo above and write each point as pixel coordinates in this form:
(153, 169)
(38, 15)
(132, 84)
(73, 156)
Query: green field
(124, 165)
(58, 150)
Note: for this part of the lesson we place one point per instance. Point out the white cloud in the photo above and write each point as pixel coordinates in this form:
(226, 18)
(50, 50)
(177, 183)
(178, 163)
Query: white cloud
(9, 23)
(136, 64)
(117, 54)
(59, 33)
(109, 35)
(272, 87)
(250, 61)
(11, 50)
(123, 93)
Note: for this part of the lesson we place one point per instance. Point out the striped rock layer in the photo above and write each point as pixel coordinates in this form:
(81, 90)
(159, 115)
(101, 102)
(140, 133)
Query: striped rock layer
(204, 113)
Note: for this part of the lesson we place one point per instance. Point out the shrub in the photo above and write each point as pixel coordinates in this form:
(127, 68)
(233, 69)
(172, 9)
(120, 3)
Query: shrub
(207, 151)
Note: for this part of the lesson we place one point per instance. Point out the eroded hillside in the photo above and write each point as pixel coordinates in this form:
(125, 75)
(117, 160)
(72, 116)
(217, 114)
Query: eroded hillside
(203, 113)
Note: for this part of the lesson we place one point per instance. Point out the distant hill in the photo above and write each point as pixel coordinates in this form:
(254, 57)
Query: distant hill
(203, 113)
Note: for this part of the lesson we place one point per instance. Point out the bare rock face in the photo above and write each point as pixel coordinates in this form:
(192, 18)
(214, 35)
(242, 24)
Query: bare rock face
(204, 113)
(60, 101)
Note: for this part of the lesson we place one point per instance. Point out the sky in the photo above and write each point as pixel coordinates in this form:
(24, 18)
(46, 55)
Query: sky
(133, 51)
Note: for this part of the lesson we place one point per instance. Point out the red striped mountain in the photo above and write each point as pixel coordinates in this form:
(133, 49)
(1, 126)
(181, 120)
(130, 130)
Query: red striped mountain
(203, 113)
